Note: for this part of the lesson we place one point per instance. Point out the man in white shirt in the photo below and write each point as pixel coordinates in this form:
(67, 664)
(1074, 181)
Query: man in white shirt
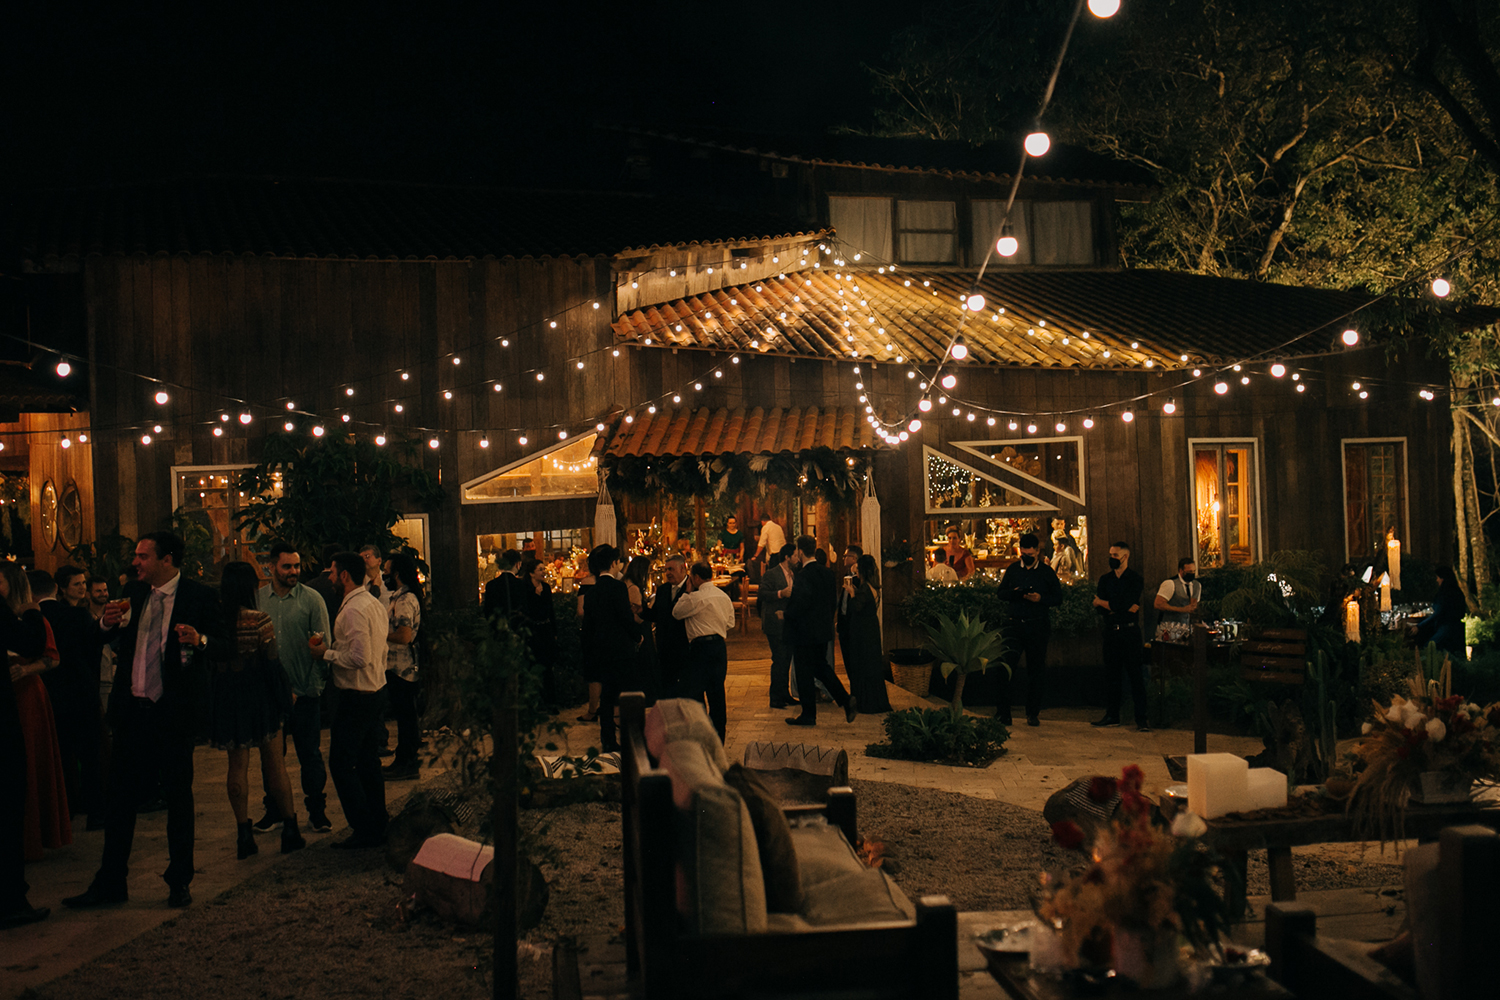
(375, 574)
(940, 571)
(357, 732)
(772, 538)
(709, 615)
(1177, 601)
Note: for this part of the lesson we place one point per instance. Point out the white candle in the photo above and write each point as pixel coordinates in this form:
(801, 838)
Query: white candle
(1351, 620)
(1393, 558)
(1385, 592)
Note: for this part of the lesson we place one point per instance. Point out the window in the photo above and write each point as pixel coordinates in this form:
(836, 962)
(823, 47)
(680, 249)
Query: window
(863, 226)
(1055, 464)
(927, 232)
(209, 495)
(952, 486)
(1224, 503)
(1374, 494)
(1049, 232)
(566, 469)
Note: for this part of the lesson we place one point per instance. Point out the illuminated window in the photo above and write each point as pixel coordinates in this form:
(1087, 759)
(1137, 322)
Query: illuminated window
(210, 496)
(952, 486)
(1374, 493)
(1056, 464)
(564, 470)
(1224, 503)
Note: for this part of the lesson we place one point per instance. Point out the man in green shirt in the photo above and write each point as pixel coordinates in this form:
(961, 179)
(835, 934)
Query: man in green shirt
(297, 612)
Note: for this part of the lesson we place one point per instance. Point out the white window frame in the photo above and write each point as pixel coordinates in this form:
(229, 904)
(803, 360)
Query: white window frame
(973, 448)
(465, 499)
(1405, 488)
(180, 470)
(1039, 505)
(1257, 495)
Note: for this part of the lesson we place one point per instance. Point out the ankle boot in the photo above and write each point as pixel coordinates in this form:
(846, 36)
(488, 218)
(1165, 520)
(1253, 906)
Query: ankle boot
(246, 843)
(291, 839)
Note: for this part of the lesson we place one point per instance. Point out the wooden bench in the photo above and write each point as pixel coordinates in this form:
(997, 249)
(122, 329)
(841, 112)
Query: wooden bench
(885, 959)
(1452, 941)
(1274, 655)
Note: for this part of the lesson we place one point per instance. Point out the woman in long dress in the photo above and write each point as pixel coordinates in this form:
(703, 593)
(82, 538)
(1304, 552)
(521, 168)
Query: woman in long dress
(867, 664)
(647, 666)
(539, 616)
(251, 697)
(45, 812)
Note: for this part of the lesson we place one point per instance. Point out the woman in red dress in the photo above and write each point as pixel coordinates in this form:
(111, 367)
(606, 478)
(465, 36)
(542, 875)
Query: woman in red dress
(48, 823)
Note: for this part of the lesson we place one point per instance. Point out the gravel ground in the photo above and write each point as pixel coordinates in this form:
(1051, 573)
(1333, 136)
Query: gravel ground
(325, 923)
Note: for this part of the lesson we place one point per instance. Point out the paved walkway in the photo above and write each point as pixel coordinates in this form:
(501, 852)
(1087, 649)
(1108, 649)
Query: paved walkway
(1038, 762)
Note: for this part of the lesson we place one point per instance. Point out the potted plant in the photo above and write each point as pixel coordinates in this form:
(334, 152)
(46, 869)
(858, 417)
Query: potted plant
(963, 647)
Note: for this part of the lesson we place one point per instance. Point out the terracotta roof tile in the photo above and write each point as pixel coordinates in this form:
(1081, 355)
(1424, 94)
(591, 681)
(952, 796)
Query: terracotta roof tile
(750, 432)
(1056, 319)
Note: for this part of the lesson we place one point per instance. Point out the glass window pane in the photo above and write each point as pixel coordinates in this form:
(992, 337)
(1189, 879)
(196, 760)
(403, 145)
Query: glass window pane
(952, 486)
(863, 225)
(1207, 505)
(567, 471)
(1063, 232)
(1055, 463)
(927, 248)
(926, 215)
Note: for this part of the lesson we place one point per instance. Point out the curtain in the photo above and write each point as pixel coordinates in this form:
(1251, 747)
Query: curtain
(986, 219)
(1063, 232)
(863, 226)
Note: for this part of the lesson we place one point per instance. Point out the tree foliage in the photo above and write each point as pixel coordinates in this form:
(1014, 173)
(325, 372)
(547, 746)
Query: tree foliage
(311, 492)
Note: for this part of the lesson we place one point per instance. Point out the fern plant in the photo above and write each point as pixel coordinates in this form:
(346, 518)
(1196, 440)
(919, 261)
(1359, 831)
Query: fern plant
(966, 646)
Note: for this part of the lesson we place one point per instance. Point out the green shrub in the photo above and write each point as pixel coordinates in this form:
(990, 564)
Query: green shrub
(1479, 679)
(936, 734)
(979, 598)
(1281, 590)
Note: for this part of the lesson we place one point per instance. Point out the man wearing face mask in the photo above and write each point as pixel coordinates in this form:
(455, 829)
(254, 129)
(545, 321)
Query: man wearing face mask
(1177, 601)
(1118, 600)
(1032, 588)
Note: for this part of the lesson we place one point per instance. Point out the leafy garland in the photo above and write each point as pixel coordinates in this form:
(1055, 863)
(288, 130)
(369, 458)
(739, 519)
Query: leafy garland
(823, 472)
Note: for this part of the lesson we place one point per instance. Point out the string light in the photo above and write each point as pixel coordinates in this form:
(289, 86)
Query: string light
(1128, 416)
(975, 303)
(1031, 428)
(1169, 407)
(1037, 143)
(380, 440)
(218, 432)
(1350, 338)
(924, 404)
(1278, 370)
(1061, 427)
(1104, 8)
(161, 398)
(318, 431)
(915, 425)
(145, 439)
(64, 369)
(1221, 387)
(1007, 245)
(1440, 288)
(65, 443)
(1088, 423)
(434, 443)
(288, 427)
(245, 418)
(949, 381)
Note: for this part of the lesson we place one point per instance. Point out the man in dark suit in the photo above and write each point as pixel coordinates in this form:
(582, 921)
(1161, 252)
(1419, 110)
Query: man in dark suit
(174, 626)
(73, 686)
(502, 595)
(610, 636)
(671, 632)
(851, 556)
(810, 602)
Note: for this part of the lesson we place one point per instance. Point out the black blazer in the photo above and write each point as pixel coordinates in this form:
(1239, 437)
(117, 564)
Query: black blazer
(74, 682)
(610, 636)
(671, 633)
(197, 605)
(810, 609)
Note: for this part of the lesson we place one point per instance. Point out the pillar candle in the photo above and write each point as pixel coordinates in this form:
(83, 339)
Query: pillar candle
(1393, 557)
(1385, 592)
(1351, 620)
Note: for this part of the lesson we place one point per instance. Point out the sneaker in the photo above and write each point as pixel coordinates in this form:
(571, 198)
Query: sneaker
(318, 822)
(1108, 722)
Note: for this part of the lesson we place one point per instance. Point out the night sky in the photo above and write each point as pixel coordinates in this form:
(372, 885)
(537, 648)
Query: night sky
(418, 92)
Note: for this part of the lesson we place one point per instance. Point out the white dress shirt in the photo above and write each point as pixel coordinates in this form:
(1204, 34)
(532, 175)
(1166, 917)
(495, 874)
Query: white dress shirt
(359, 642)
(139, 666)
(705, 611)
(772, 538)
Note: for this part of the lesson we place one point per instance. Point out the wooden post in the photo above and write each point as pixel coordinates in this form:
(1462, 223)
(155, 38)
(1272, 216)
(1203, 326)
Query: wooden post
(1200, 688)
(504, 820)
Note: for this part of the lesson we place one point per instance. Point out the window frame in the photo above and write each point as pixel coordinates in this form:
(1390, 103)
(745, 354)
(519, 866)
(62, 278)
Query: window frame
(1257, 491)
(897, 231)
(1405, 527)
(1037, 504)
(975, 448)
(463, 491)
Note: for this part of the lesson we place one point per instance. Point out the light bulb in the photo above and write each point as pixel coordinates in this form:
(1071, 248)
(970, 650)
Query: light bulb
(64, 369)
(434, 443)
(318, 431)
(380, 439)
(1061, 427)
(1221, 387)
(65, 443)
(1350, 338)
(915, 425)
(1355, 386)
(1128, 416)
(522, 440)
(1278, 370)
(975, 302)
(1301, 387)
(1104, 8)
(1031, 428)
(960, 349)
(1037, 143)
(288, 426)
(245, 418)
(1007, 246)
(949, 381)
(1170, 406)
(1013, 425)
(218, 432)
(156, 429)
(1440, 288)
(1088, 423)
(145, 439)
(925, 405)
(161, 398)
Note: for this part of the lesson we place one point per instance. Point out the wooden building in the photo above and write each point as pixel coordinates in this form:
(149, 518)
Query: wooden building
(534, 337)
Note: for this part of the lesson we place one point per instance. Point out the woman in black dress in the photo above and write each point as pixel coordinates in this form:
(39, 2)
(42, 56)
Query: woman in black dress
(536, 614)
(251, 698)
(867, 665)
(647, 667)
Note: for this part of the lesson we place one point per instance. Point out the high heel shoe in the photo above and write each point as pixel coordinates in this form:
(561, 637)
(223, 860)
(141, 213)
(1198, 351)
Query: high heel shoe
(291, 839)
(246, 843)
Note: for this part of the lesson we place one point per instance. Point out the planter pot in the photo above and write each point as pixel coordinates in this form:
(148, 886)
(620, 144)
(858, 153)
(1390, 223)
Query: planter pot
(1435, 787)
(911, 669)
(1147, 957)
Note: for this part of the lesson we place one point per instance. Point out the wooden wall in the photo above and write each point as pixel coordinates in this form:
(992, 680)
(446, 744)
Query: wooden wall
(50, 462)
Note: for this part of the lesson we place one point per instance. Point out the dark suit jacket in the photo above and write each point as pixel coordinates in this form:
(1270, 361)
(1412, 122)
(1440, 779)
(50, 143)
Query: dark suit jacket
(197, 605)
(610, 635)
(809, 611)
(503, 596)
(671, 633)
(74, 683)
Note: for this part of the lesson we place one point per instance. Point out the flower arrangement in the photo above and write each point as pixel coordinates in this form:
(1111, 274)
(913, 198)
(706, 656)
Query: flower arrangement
(1431, 732)
(1144, 881)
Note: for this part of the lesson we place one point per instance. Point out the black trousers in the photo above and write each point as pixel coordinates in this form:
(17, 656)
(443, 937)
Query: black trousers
(78, 744)
(149, 741)
(781, 668)
(1124, 657)
(404, 709)
(1028, 640)
(812, 664)
(354, 742)
(707, 667)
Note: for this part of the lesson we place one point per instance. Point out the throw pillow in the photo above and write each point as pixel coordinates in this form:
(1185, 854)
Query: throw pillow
(773, 838)
(673, 719)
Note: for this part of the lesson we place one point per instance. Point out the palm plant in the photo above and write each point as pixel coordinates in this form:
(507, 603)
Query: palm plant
(966, 646)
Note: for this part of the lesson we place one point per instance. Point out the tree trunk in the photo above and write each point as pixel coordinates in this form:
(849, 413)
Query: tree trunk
(958, 693)
(1476, 524)
(1460, 508)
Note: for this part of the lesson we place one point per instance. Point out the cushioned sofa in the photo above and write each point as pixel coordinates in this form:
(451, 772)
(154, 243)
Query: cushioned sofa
(727, 894)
